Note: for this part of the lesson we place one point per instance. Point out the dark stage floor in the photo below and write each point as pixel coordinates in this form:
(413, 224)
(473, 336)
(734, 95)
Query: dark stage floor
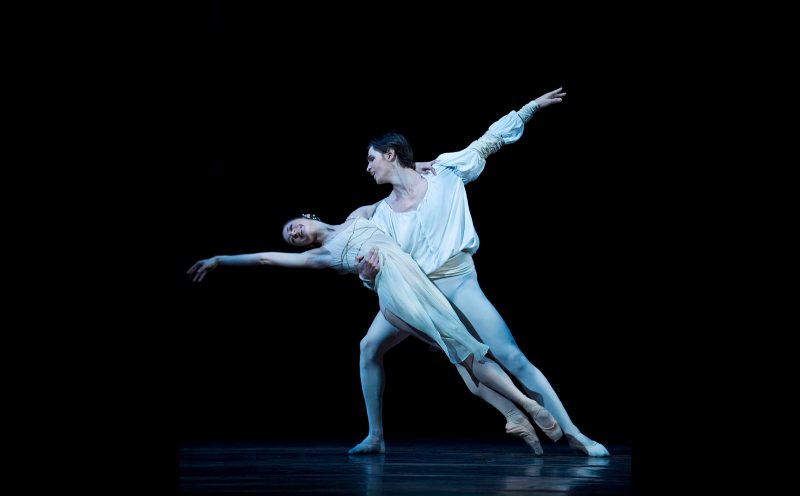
(419, 468)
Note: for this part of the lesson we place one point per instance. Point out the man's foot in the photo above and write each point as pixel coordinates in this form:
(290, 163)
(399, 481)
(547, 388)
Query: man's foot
(369, 446)
(521, 427)
(586, 445)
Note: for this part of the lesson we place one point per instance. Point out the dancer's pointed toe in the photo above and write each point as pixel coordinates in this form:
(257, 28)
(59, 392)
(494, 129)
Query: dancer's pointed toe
(522, 428)
(587, 446)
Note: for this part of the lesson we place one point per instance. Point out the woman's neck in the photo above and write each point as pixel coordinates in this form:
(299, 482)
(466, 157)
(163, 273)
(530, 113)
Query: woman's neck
(324, 232)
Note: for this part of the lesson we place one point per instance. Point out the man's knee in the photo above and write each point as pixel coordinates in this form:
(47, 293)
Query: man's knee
(370, 348)
(380, 338)
(515, 361)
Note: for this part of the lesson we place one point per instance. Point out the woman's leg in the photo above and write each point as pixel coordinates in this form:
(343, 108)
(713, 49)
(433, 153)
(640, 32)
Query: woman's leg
(517, 423)
(488, 372)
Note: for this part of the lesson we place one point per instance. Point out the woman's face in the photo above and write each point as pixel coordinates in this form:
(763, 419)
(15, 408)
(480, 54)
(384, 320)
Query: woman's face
(296, 232)
(377, 165)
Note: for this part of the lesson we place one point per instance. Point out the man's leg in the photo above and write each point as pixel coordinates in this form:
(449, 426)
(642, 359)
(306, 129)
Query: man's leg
(381, 337)
(466, 294)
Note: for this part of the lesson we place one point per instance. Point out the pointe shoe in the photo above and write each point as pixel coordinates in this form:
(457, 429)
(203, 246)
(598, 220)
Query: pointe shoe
(368, 447)
(520, 427)
(544, 420)
(587, 446)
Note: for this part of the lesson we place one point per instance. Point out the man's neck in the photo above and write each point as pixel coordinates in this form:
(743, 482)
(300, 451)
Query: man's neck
(408, 183)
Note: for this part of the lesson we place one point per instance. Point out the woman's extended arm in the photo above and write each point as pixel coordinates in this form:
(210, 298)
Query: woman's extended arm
(317, 258)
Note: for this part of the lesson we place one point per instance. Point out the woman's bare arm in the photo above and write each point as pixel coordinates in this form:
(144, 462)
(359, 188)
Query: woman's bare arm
(316, 258)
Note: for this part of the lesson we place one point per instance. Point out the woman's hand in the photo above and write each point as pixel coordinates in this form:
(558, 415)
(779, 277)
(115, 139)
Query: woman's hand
(425, 167)
(199, 270)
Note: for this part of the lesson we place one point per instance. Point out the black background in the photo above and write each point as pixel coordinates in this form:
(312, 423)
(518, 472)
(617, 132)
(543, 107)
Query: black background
(268, 116)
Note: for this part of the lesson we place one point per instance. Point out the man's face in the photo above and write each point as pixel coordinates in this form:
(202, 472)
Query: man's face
(378, 165)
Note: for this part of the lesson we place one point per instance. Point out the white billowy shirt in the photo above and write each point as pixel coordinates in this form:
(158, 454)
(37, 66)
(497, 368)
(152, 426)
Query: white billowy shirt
(441, 225)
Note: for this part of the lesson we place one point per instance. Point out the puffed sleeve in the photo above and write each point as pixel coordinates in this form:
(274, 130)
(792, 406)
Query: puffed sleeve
(469, 162)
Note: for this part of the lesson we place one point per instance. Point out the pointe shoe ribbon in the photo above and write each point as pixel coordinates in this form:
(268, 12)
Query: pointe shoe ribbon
(544, 419)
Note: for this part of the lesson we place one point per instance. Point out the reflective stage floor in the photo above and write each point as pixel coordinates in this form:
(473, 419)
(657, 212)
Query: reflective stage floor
(419, 468)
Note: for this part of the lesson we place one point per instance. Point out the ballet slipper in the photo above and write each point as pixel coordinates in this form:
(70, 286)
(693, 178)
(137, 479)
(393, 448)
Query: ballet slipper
(369, 446)
(521, 427)
(544, 420)
(586, 445)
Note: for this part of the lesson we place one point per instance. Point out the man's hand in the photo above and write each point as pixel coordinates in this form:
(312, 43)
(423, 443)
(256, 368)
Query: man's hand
(368, 266)
(550, 98)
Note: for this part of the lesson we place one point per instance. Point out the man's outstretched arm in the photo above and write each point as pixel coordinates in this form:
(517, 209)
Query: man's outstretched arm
(469, 163)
